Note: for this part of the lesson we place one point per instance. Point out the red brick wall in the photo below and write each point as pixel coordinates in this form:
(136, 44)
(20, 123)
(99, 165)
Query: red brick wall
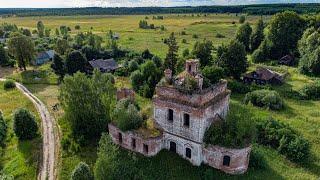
(154, 144)
(213, 156)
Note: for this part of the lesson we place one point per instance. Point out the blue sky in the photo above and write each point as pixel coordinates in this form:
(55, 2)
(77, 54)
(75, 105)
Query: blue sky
(134, 3)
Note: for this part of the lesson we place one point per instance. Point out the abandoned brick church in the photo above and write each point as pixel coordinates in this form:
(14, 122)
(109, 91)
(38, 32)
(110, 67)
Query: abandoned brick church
(183, 118)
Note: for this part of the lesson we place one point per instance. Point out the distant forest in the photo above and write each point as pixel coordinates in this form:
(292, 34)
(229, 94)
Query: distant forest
(261, 9)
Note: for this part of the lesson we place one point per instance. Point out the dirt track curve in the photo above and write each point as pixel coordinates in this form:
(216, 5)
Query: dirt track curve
(49, 142)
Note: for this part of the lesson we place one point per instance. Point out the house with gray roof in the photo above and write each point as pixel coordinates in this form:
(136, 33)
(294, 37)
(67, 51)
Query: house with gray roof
(43, 57)
(104, 65)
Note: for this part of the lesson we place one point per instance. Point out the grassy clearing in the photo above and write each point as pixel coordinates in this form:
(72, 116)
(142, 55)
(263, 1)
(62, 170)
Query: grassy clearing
(19, 158)
(140, 39)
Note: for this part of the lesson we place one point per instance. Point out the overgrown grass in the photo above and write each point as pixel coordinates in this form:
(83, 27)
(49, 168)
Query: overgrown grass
(19, 158)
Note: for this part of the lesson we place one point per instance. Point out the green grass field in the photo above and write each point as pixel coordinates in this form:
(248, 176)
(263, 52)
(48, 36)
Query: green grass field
(127, 26)
(19, 158)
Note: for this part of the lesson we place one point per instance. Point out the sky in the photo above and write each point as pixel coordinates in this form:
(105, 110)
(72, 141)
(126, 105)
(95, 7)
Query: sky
(133, 3)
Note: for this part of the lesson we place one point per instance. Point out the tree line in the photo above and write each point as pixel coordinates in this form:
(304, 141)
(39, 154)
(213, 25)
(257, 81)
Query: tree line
(264, 9)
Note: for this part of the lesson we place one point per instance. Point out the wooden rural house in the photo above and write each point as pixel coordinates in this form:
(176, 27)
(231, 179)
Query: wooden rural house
(287, 60)
(105, 66)
(44, 57)
(263, 76)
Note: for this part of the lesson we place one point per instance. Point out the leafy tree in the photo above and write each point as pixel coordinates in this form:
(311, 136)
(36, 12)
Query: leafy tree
(284, 31)
(137, 80)
(62, 46)
(309, 48)
(262, 54)
(64, 30)
(186, 53)
(133, 65)
(157, 61)
(146, 54)
(47, 32)
(87, 103)
(4, 58)
(75, 61)
(24, 124)
(82, 172)
(57, 32)
(3, 129)
(40, 28)
(58, 66)
(126, 116)
(233, 59)
(244, 34)
(26, 32)
(77, 27)
(257, 35)
(22, 48)
(107, 164)
(213, 74)
(202, 51)
(171, 59)
(265, 98)
(242, 19)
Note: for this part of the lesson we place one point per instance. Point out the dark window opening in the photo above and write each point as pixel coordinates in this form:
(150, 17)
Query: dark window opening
(133, 143)
(186, 120)
(226, 160)
(173, 147)
(120, 138)
(170, 115)
(145, 148)
(188, 153)
(189, 68)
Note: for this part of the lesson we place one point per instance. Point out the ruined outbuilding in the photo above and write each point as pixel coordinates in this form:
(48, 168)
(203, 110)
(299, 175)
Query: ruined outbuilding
(183, 118)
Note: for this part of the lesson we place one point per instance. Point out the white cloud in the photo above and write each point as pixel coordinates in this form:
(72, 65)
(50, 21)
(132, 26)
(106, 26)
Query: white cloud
(133, 3)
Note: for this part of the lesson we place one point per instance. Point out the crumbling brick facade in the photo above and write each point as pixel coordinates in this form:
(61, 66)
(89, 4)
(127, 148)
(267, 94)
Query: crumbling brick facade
(184, 118)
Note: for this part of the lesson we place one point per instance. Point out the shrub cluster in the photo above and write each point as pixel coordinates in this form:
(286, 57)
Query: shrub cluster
(9, 84)
(3, 129)
(82, 172)
(257, 161)
(24, 125)
(237, 131)
(127, 116)
(311, 91)
(281, 137)
(265, 98)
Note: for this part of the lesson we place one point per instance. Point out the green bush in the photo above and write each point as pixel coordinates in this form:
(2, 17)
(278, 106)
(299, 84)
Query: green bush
(218, 35)
(257, 161)
(127, 116)
(283, 138)
(82, 172)
(265, 98)
(24, 124)
(237, 131)
(214, 74)
(133, 65)
(311, 91)
(9, 84)
(3, 129)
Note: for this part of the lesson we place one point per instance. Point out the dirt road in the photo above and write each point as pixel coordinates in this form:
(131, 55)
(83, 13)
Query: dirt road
(49, 144)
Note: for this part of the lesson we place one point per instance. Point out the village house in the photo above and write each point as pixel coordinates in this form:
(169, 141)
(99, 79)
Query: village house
(263, 76)
(183, 118)
(43, 57)
(287, 60)
(105, 66)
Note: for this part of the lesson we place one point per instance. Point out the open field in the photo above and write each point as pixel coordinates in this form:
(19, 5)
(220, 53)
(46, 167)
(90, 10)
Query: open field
(19, 158)
(140, 39)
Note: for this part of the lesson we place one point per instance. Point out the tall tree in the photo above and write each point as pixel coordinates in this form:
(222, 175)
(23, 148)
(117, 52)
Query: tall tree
(75, 62)
(244, 34)
(284, 31)
(257, 35)
(58, 66)
(172, 56)
(22, 48)
(87, 103)
(62, 46)
(202, 51)
(41, 29)
(82, 172)
(233, 59)
(4, 58)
